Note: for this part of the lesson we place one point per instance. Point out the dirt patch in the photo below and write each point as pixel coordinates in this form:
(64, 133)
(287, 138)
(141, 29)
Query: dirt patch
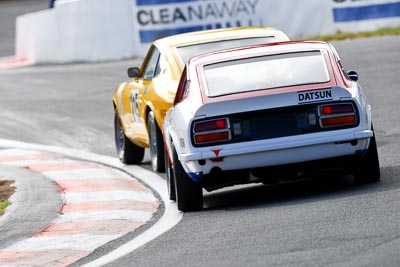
(6, 190)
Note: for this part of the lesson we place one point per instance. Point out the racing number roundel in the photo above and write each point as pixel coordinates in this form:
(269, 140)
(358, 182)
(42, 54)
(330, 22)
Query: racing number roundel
(134, 104)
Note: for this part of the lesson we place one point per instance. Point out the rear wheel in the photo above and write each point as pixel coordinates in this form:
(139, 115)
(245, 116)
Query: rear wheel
(156, 144)
(169, 177)
(189, 194)
(128, 152)
(367, 169)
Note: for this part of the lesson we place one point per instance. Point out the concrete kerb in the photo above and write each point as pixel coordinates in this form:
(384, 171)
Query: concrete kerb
(169, 219)
(13, 62)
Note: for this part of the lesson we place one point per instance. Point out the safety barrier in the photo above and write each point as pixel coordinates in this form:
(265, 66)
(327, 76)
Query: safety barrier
(93, 30)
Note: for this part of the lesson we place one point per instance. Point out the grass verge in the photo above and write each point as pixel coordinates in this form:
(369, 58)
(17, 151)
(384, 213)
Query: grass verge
(349, 35)
(3, 206)
(6, 191)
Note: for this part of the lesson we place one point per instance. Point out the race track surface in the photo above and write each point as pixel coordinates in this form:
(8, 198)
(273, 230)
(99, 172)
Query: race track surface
(321, 222)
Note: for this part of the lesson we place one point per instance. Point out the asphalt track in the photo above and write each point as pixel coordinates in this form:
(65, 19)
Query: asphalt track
(329, 221)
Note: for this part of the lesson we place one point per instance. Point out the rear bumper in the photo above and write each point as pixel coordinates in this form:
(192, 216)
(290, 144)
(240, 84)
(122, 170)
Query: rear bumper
(273, 152)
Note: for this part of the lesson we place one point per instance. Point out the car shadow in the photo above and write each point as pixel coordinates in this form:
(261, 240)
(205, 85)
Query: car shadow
(293, 193)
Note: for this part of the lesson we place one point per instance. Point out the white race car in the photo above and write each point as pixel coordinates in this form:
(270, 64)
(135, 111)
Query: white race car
(266, 113)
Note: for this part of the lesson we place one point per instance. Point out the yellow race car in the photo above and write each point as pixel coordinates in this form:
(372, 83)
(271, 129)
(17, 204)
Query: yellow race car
(141, 104)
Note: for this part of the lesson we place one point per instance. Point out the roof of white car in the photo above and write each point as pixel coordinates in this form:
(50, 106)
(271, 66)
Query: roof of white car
(262, 49)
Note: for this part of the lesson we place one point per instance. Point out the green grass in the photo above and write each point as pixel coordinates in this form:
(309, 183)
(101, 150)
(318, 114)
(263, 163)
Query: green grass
(348, 35)
(3, 206)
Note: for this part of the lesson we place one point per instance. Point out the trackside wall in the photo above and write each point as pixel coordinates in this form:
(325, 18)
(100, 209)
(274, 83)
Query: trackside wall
(80, 30)
(93, 30)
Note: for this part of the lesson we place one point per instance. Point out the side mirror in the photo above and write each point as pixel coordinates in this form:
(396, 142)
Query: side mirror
(133, 72)
(353, 75)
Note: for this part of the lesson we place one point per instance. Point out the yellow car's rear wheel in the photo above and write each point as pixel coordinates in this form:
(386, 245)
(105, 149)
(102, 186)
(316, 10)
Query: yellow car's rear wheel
(128, 152)
(156, 144)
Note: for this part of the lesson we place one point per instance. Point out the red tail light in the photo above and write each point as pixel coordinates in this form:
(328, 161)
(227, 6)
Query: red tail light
(210, 125)
(336, 109)
(211, 131)
(329, 122)
(337, 115)
(211, 137)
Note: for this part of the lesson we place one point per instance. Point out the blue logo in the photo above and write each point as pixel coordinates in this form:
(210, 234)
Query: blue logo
(366, 12)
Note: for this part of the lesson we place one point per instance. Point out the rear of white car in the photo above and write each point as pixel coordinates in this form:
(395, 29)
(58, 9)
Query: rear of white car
(268, 113)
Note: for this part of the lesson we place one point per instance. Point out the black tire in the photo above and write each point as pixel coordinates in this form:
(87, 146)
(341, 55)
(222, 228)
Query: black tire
(189, 194)
(367, 169)
(169, 177)
(156, 144)
(128, 152)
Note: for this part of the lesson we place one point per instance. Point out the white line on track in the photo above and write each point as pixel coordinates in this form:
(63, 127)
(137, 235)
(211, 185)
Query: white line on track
(86, 242)
(110, 195)
(86, 174)
(106, 215)
(169, 219)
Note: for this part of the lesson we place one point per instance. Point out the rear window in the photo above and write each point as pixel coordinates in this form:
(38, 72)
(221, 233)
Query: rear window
(266, 72)
(186, 52)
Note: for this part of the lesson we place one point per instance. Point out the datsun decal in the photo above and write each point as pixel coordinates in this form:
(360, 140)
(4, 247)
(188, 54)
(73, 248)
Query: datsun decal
(314, 96)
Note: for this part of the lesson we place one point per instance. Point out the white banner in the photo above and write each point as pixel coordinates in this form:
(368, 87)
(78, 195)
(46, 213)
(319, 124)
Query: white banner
(159, 18)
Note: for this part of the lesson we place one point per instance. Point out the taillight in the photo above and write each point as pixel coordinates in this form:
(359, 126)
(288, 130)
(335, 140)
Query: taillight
(340, 114)
(210, 125)
(211, 131)
(329, 122)
(211, 137)
(336, 109)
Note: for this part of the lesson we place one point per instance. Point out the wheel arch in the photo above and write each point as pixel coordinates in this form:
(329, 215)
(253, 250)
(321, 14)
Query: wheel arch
(146, 116)
(168, 145)
(117, 111)
(174, 142)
